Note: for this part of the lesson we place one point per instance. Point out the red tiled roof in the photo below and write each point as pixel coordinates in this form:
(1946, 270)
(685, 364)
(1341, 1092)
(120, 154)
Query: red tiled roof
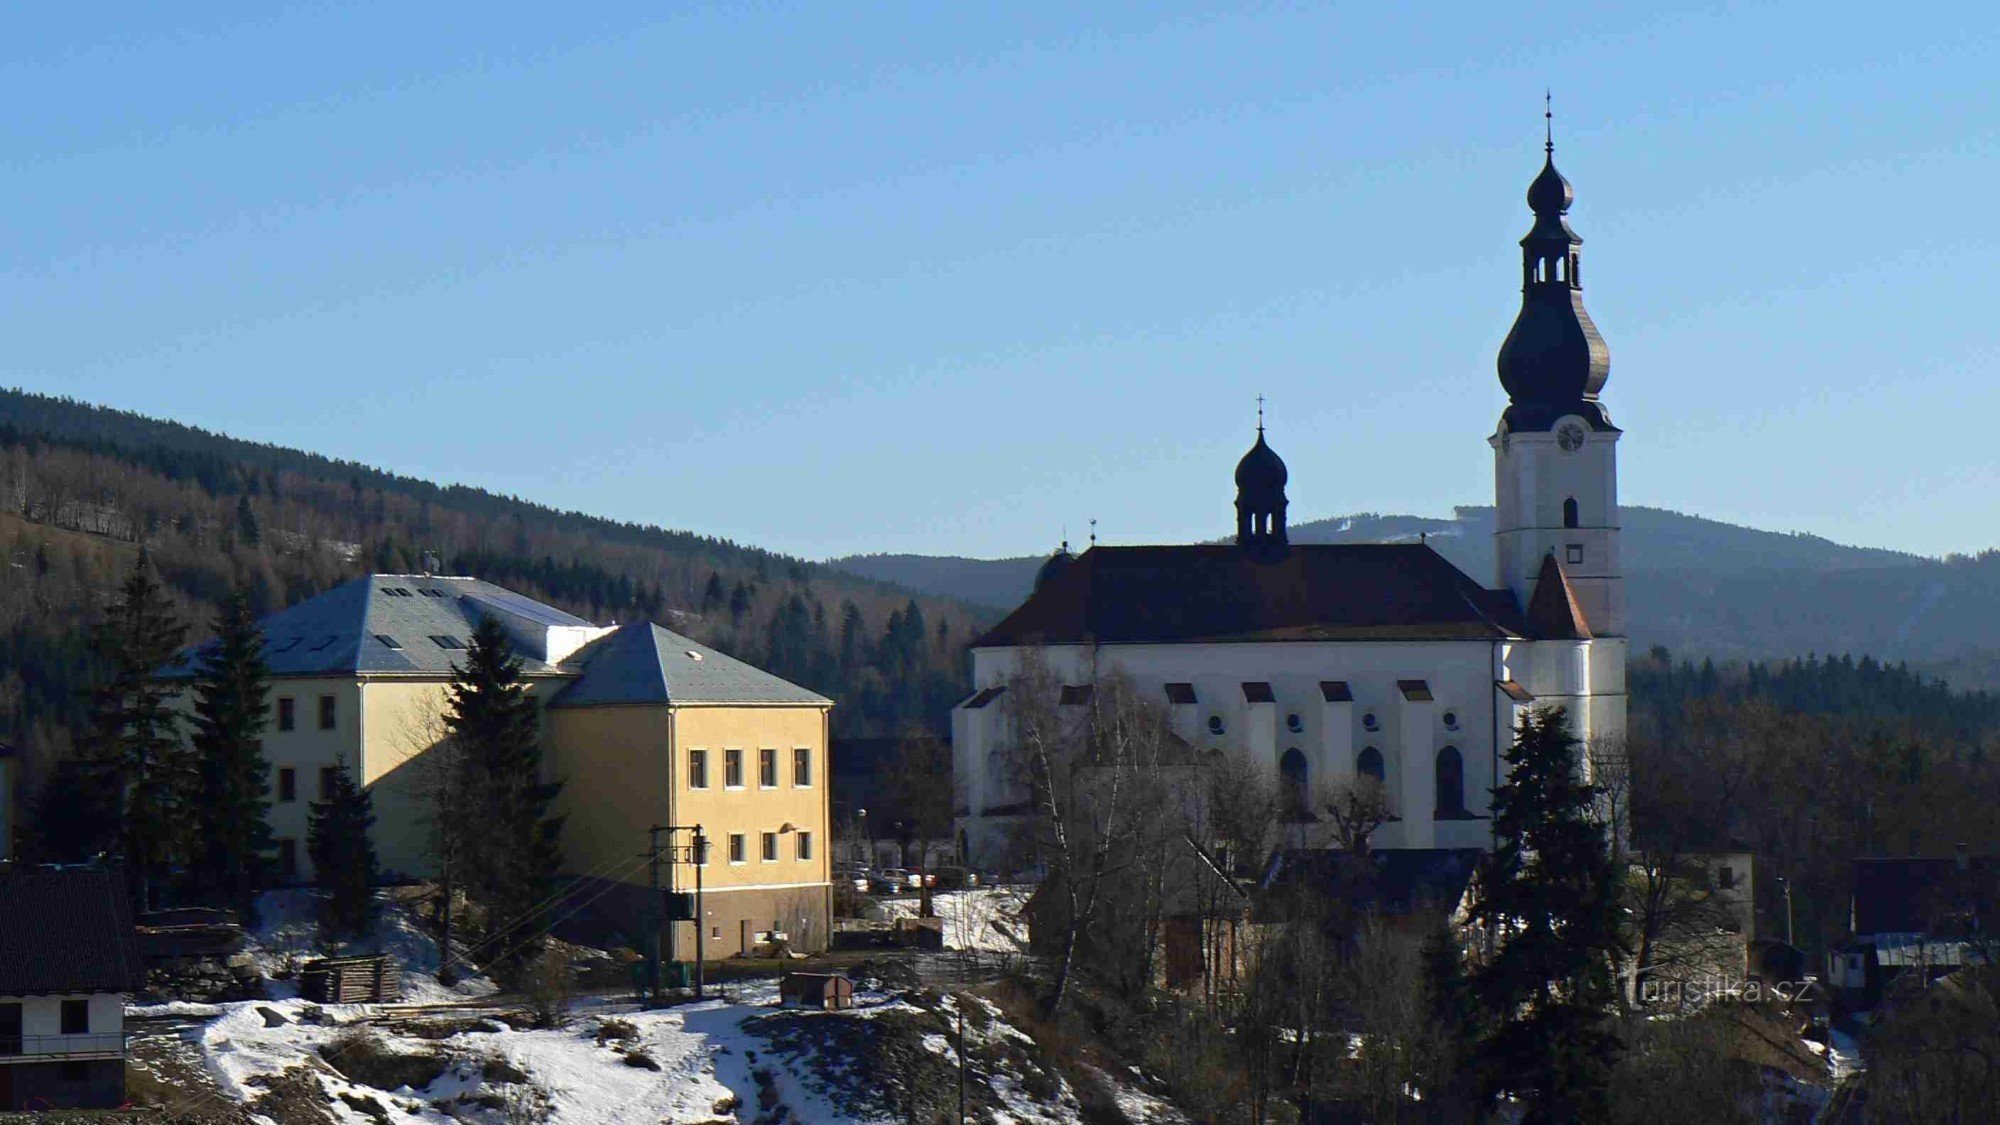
(1314, 592)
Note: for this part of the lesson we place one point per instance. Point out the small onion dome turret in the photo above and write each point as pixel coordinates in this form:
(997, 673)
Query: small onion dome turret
(1056, 564)
(1261, 475)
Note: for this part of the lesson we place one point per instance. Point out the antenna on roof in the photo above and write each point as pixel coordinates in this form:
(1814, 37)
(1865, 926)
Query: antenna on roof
(1093, 531)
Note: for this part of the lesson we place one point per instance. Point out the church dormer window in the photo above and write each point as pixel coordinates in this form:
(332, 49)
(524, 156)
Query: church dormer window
(1570, 517)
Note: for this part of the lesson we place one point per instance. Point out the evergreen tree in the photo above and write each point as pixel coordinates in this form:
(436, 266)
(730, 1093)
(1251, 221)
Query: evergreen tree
(76, 816)
(231, 705)
(712, 595)
(145, 774)
(1547, 899)
(511, 860)
(343, 856)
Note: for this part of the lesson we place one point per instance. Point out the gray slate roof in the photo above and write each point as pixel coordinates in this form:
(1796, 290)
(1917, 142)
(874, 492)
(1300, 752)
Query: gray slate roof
(643, 663)
(66, 931)
(343, 631)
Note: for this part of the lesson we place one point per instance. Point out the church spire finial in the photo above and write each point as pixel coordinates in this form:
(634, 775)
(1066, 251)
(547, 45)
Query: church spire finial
(1260, 415)
(1548, 124)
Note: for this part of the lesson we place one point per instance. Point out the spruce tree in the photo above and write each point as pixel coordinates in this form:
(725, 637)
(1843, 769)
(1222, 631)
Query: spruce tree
(231, 705)
(132, 748)
(1547, 898)
(511, 861)
(343, 857)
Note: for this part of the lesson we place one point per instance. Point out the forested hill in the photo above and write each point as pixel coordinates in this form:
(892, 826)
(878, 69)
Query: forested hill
(1702, 588)
(81, 487)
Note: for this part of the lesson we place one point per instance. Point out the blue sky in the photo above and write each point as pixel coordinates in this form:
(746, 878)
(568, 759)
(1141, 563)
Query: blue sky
(835, 279)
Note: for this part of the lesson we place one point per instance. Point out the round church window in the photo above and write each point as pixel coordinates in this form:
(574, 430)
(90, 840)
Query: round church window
(1215, 724)
(1293, 723)
(1451, 720)
(1369, 721)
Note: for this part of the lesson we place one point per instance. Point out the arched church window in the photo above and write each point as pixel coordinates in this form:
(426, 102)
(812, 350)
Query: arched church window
(1569, 512)
(1292, 772)
(1369, 763)
(1450, 784)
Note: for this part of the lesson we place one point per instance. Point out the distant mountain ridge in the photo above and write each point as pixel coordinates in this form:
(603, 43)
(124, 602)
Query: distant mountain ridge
(1700, 587)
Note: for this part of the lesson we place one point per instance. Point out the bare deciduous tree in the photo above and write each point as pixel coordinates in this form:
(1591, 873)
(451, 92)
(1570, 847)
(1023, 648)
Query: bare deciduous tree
(1356, 806)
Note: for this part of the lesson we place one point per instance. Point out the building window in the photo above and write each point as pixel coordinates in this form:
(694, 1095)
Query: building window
(1569, 512)
(288, 713)
(1369, 764)
(328, 777)
(288, 858)
(1369, 721)
(736, 847)
(76, 1017)
(1294, 724)
(1451, 720)
(326, 712)
(1215, 724)
(770, 842)
(805, 845)
(802, 767)
(1573, 554)
(697, 769)
(1292, 772)
(767, 768)
(1725, 877)
(1450, 784)
(732, 769)
(288, 785)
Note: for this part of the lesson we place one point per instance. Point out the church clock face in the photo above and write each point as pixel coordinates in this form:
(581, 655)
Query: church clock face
(1569, 437)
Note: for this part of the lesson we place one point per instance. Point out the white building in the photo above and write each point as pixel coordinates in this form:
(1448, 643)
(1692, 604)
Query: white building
(1331, 660)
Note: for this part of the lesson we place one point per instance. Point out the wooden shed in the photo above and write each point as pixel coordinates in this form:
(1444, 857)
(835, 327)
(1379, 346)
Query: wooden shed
(829, 991)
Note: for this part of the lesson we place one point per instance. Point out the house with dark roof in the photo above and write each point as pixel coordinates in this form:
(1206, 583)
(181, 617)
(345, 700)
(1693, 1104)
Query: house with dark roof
(1356, 664)
(641, 725)
(1929, 915)
(69, 958)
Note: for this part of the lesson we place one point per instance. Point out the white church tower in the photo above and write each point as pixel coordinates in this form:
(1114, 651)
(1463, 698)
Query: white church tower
(1556, 452)
(1555, 474)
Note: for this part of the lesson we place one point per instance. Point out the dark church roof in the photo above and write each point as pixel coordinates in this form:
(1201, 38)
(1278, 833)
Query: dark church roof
(1313, 592)
(66, 931)
(1393, 883)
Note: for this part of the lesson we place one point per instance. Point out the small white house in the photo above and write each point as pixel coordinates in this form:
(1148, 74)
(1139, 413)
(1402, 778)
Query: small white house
(69, 959)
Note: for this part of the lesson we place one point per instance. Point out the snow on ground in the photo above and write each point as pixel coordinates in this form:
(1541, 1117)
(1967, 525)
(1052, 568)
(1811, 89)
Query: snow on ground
(287, 936)
(987, 919)
(1843, 1055)
(710, 1061)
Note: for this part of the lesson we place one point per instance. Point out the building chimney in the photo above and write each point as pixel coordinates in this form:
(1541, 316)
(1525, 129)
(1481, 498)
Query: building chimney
(431, 564)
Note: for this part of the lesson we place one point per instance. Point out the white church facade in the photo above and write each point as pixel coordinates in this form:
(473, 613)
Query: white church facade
(1333, 660)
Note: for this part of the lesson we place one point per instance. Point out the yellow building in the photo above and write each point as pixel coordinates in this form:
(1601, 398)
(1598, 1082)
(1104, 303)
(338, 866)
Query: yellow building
(642, 726)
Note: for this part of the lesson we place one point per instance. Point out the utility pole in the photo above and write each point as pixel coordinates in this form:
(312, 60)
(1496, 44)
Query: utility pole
(1787, 884)
(655, 914)
(700, 911)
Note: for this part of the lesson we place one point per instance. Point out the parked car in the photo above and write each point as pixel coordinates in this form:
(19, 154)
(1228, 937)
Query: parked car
(913, 879)
(886, 882)
(954, 878)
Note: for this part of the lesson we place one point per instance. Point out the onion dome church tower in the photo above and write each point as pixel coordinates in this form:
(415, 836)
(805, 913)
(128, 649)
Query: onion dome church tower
(1260, 498)
(1555, 451)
